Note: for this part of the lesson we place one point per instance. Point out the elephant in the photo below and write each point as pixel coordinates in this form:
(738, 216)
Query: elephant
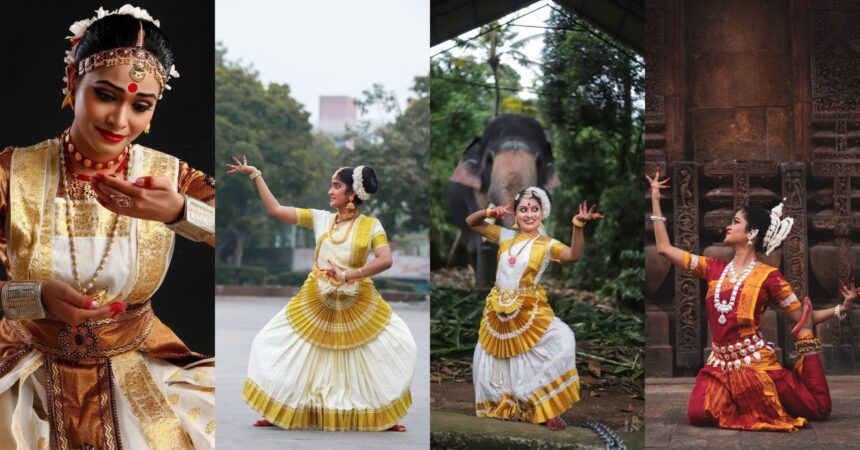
(512, 154)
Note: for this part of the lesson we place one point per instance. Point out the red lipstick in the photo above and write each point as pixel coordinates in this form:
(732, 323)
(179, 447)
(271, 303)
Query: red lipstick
(113, 138)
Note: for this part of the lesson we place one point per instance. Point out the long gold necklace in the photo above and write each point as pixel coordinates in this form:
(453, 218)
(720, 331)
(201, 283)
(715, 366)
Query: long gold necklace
(100, 296)
(332, 227)
(512, 259)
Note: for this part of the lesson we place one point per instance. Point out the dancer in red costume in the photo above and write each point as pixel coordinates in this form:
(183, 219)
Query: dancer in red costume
(742, 385)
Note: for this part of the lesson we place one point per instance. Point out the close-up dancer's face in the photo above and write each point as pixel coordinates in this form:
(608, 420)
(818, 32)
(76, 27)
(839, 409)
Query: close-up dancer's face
(528, 214)
(338, 193)
(736, 231)
(111, 110)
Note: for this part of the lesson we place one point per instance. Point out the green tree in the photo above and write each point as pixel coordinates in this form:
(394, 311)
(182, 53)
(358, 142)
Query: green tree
(593, 111)
(266, 124)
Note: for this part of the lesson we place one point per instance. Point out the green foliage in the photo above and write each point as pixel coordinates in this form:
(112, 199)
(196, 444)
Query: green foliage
(597, 132)
(266, 124)
(398, 152)
(252, 275)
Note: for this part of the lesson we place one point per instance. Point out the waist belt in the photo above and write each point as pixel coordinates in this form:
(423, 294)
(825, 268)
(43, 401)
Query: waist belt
(743, 351)
(91, 339)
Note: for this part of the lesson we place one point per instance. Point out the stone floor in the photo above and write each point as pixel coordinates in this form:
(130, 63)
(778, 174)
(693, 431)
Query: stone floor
(666, 425)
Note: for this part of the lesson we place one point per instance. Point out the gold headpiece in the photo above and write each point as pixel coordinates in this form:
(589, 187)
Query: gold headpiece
(141, 60)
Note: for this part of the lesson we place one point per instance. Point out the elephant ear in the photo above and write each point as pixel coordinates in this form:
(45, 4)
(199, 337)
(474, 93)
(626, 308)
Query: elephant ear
(552, 180)
(467, 170)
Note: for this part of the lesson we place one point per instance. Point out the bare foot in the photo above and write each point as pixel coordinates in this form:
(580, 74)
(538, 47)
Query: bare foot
(263, 423)
(399, 427)
(555, 424)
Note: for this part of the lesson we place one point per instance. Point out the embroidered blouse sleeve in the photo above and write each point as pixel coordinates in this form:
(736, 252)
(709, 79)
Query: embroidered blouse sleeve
(378, 238)
(781, 292)
(697, 265)
(196, 183)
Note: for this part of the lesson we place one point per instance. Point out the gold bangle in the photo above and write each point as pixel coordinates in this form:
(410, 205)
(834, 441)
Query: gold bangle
(360, 275)
(22, 300)
(578, 223)
(256, 173)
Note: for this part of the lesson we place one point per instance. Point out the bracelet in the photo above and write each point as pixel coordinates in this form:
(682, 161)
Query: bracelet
(22, 300)
(197, 222)
(488, 211)
(360, 275)
(343, 277)
(578, 223)
(658, 218)
(256, 173)
(837, 312)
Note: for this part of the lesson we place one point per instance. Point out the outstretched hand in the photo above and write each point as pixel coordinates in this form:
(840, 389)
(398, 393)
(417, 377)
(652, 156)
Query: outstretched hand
(587, 213)
(849, 293)
(240, 166)
(656, 183)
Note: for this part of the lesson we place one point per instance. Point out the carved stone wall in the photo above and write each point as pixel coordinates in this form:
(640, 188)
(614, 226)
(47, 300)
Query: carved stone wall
(750, 102)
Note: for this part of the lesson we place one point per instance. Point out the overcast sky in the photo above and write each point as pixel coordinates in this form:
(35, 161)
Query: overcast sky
(332, 47)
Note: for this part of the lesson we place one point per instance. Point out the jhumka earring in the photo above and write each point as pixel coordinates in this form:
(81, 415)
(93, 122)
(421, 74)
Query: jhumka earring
(751, 236)
(515, 226)
(146, 130)
(350, 205)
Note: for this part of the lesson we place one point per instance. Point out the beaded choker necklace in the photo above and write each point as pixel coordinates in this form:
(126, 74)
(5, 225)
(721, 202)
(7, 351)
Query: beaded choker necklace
(73, 152)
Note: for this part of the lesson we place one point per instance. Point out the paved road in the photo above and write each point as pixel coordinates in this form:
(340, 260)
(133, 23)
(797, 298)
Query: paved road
(237, 321)
(666, 425)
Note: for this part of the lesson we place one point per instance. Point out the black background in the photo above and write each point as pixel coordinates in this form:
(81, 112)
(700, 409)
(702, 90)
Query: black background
(32, 48)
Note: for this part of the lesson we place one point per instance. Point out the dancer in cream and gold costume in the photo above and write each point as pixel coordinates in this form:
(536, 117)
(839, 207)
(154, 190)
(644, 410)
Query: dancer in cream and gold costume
(524, 367)
(90, 220)
(336, 357)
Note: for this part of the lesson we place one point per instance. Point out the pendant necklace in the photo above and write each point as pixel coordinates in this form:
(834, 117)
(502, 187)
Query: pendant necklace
(512, 259)
(721, 306)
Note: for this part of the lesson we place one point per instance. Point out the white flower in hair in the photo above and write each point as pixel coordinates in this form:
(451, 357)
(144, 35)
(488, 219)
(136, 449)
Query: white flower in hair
(542, 197)
(778, 230)
(358, 183)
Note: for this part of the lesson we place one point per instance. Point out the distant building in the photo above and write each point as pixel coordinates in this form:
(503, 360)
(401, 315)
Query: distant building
(336, 113)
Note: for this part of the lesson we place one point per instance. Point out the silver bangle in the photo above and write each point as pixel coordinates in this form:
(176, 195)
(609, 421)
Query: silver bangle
(256, 173)
(197, 222)
(22, 300)
(658, 218)
(837, 312)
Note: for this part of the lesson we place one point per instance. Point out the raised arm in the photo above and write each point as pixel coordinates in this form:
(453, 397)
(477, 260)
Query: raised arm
(273, 207)
(475, 221)
(577, 239)
(849, 294)
(674, 254)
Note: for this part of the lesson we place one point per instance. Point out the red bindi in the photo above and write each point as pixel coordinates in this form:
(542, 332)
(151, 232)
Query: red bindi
(132, 87)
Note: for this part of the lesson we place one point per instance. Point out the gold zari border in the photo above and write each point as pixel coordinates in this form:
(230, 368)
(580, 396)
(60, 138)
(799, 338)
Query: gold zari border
(542, 405)
(378, 419)
(150, 407)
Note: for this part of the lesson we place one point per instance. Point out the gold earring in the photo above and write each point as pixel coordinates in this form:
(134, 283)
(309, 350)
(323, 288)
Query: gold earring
(67, 101)
(146, 130)
(515, 226)
(350, 205)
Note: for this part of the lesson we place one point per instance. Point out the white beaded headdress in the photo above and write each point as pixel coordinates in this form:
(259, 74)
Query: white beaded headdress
(127, 55)
(541, 195)
(778, 229)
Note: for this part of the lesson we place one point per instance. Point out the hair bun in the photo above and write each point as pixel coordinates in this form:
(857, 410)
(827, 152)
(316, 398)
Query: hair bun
(369, 181)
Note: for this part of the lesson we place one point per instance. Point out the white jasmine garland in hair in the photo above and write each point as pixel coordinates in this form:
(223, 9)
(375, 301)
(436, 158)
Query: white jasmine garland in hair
(358, 184)
(778, 229)
(544, 200)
